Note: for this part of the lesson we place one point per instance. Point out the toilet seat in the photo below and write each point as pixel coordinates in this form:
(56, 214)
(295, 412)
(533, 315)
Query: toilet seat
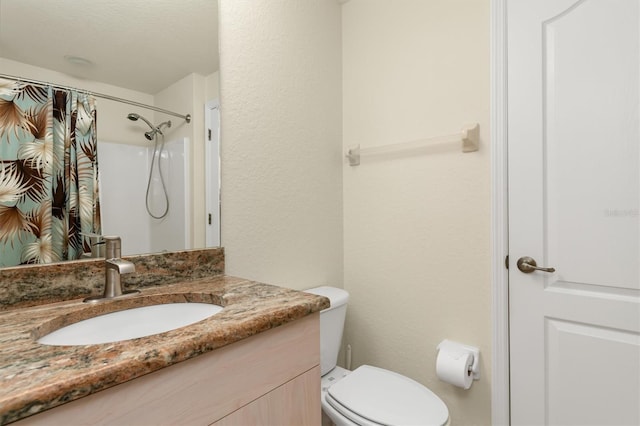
(371, 396)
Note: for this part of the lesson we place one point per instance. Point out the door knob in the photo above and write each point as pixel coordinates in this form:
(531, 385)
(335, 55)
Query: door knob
(528, 264)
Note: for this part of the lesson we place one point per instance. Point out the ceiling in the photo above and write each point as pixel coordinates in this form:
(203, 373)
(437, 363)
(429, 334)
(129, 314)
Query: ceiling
(144, 45)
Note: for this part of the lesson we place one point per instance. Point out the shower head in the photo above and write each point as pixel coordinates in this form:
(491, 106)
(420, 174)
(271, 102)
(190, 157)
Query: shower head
(135, 117)
(154, 129)
(152, 133)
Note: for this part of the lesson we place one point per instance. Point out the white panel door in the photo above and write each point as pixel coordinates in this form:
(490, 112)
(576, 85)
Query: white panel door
(574, 191)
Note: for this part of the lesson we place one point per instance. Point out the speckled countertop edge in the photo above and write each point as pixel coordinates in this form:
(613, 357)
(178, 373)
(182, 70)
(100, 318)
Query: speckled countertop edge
(35, 377)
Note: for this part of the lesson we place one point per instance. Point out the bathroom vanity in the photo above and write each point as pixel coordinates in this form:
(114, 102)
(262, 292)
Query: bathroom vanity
(256, 361)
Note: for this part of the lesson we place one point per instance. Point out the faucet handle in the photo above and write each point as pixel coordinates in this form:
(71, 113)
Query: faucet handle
(113, 246)
(114, 268)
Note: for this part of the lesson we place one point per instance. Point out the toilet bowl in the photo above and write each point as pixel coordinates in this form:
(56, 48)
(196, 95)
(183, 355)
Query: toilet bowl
(368, 395)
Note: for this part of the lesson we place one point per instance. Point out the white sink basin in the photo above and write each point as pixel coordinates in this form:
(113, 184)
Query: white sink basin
(130, 324)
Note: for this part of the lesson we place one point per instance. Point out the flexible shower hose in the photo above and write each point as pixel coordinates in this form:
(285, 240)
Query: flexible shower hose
(164, 187)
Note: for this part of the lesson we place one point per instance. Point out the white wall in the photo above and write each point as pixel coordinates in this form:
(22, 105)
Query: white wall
(417, 226)
(280, 80)
(186, 96)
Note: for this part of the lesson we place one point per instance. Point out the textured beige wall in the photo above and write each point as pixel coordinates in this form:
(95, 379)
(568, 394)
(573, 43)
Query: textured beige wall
(280, 89)
(417, 226)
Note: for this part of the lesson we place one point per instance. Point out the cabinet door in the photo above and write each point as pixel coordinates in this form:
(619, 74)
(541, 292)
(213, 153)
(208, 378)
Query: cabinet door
(296, 402)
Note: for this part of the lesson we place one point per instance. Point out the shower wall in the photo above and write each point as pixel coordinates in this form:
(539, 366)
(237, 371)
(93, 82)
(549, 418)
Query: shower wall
(124, 172)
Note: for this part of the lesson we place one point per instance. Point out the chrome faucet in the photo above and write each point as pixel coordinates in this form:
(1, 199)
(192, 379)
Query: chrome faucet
(114, 269)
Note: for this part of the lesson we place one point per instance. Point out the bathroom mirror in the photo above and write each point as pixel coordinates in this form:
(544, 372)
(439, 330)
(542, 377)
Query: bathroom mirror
(141, 47)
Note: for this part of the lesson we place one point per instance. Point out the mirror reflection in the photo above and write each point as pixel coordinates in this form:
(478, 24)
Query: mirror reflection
(158, 172)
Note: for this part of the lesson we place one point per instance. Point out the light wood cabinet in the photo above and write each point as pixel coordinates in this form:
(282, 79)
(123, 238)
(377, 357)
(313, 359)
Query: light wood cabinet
(269, 378)
(293, 403)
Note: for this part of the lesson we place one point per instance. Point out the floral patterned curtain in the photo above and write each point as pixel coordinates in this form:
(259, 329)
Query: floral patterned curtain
(48, 174)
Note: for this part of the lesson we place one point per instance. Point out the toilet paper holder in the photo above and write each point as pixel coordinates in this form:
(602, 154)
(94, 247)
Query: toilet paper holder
(451, 346)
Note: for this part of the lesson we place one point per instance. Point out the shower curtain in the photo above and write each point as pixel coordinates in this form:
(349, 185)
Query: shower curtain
(49, 202)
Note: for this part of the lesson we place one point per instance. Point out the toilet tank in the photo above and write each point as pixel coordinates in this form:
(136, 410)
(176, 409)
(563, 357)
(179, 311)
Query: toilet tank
(331, 325)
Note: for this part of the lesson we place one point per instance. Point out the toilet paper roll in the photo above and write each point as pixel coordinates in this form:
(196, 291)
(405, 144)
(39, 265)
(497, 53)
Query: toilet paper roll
(454, 367)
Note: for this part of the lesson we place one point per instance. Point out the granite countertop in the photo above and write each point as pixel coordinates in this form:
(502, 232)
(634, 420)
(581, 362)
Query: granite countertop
(35, 377)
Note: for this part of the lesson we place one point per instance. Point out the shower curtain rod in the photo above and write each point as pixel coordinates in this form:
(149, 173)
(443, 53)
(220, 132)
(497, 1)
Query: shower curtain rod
(186, 118)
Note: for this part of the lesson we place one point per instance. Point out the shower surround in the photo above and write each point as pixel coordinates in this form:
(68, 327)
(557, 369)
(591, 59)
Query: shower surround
(124, 173)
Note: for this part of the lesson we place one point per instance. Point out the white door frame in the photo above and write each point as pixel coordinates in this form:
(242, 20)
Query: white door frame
(211, 203)
(499, 217)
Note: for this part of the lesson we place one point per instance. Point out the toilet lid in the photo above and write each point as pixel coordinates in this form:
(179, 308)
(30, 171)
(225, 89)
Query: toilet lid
(384, 397)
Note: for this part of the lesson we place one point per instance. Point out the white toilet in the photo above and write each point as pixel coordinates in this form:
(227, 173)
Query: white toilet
(368, 395)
